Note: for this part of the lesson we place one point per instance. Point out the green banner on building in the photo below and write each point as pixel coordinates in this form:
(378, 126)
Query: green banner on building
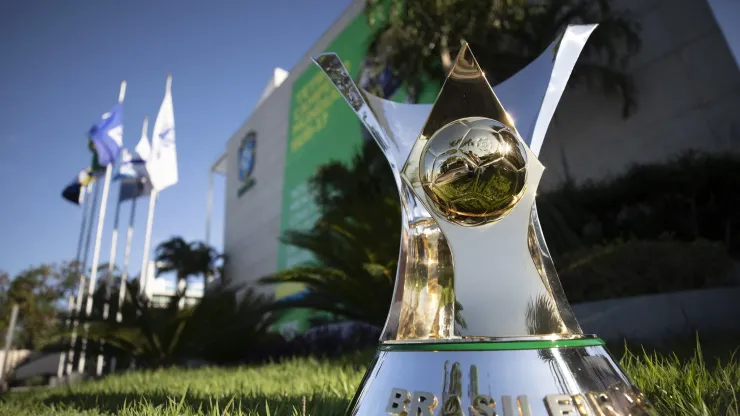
(322, 129)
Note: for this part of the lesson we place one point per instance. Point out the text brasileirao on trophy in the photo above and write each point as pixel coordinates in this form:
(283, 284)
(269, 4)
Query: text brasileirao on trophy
(479, 323)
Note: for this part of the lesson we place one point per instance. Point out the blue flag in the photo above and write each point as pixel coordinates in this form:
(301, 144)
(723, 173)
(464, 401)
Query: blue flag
(107, 135)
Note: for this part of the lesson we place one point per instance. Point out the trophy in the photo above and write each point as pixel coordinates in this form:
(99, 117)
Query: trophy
(479, 323)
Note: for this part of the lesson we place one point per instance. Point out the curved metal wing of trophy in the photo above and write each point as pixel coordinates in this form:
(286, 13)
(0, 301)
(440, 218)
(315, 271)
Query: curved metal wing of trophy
(470, 268)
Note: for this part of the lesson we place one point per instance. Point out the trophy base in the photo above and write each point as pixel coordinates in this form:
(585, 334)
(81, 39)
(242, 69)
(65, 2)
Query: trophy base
(501, 378)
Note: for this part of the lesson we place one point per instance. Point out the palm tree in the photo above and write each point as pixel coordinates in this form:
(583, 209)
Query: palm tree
(205, 260)
(186, 259)
(419, 39)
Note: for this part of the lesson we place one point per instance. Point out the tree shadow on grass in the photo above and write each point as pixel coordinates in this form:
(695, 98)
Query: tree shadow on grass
(189, 403)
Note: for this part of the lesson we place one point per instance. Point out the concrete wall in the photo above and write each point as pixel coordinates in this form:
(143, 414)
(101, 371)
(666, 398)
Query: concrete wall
(689, 97)
(253, 219)
(661, 317)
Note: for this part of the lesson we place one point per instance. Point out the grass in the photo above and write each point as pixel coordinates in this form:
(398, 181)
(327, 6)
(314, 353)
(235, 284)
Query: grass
(676, 384)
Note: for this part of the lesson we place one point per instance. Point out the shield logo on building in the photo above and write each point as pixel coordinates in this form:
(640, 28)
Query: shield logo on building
(247, 153)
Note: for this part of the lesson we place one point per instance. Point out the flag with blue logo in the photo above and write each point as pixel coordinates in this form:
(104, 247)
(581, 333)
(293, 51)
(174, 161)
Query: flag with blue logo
(161, 166)
(107, 135)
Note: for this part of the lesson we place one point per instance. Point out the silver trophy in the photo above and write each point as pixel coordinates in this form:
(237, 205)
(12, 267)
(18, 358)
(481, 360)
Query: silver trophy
(479, 323)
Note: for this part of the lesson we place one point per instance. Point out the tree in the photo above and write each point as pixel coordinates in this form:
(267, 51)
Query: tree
(186, 259)
(420, 39)
(39, 292)
(205, 260)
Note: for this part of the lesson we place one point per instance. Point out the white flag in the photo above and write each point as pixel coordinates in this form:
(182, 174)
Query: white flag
(133, 165)
(126, 171)
(143, 149)
(162, 162)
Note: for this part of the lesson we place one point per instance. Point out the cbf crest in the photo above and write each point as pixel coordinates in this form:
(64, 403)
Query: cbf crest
(247, 154)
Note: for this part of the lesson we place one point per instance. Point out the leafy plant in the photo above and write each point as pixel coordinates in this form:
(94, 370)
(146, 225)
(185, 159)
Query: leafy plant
(419, 39)
(639, 267)
(220, 328)
(151, 335)
(223, 329)
(355, 242)
(692, 196)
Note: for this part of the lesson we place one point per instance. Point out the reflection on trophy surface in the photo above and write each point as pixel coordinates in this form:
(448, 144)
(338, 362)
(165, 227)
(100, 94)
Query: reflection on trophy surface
(474, 170)
(479, 323)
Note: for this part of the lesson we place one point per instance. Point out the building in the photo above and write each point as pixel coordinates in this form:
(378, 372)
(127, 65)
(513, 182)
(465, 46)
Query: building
(687, 77)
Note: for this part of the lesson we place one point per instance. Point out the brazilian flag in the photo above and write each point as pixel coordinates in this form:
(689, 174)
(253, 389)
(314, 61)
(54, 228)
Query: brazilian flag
(95, 166)
(74, 191)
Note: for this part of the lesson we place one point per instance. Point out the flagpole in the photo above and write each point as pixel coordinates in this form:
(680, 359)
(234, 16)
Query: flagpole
(129, 235)
(124, 272)
(84, 202)
(143, 279)
(8, 341)
(209, 206)
(109, 281)
(81, 284)
(126, 257)
(68, 324)
(96, 252)
(168, 118)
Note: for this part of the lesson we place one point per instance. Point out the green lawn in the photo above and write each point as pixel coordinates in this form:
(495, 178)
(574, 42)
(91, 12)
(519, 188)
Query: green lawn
(677, 386)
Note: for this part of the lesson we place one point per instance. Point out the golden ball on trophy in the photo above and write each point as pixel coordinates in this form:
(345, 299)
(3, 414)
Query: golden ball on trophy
(474, 170)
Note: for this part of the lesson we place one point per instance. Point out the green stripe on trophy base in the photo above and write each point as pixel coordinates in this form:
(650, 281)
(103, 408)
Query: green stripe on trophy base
(493, 346)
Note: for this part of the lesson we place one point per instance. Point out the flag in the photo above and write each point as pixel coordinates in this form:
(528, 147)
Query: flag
(107, 135)
(127, 169)
(134, 189)
(74, 191)
(161, 166)
(295, 296)
(133, 165)
(94, 164)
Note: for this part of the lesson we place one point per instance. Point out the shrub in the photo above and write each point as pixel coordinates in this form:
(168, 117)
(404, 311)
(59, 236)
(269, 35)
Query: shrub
(694, 196)
(641, 267)
(325, 341)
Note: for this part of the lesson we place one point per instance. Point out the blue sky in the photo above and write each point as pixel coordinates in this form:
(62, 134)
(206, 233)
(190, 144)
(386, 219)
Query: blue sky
(61, 63)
